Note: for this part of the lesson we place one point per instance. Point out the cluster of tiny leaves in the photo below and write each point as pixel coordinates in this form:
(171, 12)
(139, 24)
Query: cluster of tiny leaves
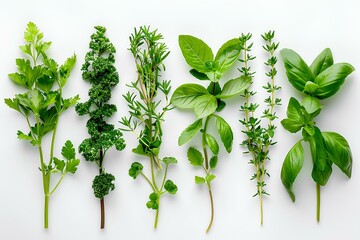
(259, 138)
(100, 72)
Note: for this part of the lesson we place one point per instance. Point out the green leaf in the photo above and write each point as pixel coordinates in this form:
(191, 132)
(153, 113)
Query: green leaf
(195, 157)
(212, 143)
(331, 79)
(292, 126)
(322, 62)
(297, 70)
(135, 169)
(13, 104)
(45, 83)
(311, 104)
(213, 162)
(209, 178)
(154, 201)
(169, 160)
(66, 69)
(228, 54)
(140, 150)
(293, 110)
(318, 151)
(59, 164)
(338, 151)
(199, 75)
(18, 79)
(310, 88)
(68, 150)
(26, 137)
(291, 167)
(321, 176)
(170, 187)
(185, 96)
(235, 87)
(32, 33)
(36, 100)
(190, 132)
(205, 105)
(71, 165)
(196, 52)
(225, 132)
(199, 180)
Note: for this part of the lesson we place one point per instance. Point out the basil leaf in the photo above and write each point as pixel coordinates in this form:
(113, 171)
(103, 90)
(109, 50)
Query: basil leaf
(212, 143)
(291, 167)
(339, 151)
(293, 110)
(235, 87)
(311, 104)
(331, 79)
(297, 70)
(228, 54)
(199, 75)
(225, 132)
(196, 52)
(318, 150)
(321, 176)
(205, 105)
(322, 62)
(310, 88)
(195, 157)
(190, 132)
(291, 125)
(199, 180)
(185, 95)
(213, 162)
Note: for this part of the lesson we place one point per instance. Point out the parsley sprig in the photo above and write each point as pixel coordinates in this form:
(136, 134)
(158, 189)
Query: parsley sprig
(100, 72)
(42, 105)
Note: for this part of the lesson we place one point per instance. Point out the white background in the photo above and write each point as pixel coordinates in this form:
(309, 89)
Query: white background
(306, 26)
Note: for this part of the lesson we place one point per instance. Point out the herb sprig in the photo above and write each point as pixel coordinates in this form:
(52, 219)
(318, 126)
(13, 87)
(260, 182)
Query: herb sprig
(206, 101)
(42, 105)
(148, 104)
(258, 137)
(100, 72)
(321, 80)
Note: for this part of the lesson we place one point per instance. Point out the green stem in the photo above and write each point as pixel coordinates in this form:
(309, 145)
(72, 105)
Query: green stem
(46, 212)
(212, 209)
(317, 202)
(157, 215)
(163, 182)
(204, 143)
(57, 185)
(147, 179)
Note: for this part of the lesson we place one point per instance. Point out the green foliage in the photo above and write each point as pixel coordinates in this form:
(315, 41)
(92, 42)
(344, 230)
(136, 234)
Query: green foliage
(42, 103)
(259, 138)
(148, 103)
(319, 81)
(103, 184)
(204, 102)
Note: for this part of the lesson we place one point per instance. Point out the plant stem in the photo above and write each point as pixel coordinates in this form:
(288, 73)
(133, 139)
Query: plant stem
(157, 215)
(46, 212)
(212, 209)
(102, 203)
(317, 202)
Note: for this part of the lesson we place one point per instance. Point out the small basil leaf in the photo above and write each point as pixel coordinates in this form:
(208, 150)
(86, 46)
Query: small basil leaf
(195, 157)
(310, 88)
(213, 162)
(225, 132)
(318, 150)
(185, 95)
(234, 87)
(212, 143)
(196, 52)
(228, 54)
(321, 176)
(199, 180)
(190, 132)
(291, 167)
(311, 104)
(331, 79)
(205, 105)
(297, 70)
(322, 62)
(291, 125)
(339, 151)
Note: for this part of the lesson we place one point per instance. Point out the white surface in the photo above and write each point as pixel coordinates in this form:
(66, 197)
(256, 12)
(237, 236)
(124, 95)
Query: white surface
(306, 26)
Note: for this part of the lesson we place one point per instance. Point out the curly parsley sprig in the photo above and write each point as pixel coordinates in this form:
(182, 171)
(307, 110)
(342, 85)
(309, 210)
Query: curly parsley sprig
(100, 72)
